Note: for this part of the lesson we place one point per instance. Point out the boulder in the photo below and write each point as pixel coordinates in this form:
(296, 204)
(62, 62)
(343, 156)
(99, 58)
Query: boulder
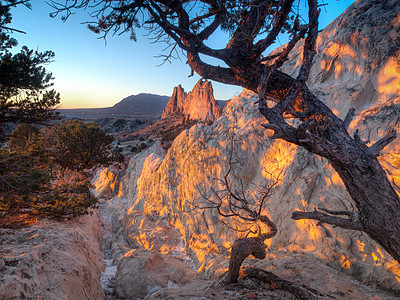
(197, 290)
(141, 271)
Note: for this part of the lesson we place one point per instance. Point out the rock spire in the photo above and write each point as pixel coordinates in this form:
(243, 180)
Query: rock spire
(199, 104)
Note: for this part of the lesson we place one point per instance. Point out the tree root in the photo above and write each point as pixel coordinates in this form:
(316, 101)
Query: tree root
(301, 292)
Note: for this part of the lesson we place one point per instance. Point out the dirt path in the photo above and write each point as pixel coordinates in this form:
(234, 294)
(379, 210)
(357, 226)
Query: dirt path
(107, 279)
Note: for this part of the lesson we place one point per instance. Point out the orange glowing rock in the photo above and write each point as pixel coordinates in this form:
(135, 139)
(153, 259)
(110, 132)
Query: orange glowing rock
(351, 69)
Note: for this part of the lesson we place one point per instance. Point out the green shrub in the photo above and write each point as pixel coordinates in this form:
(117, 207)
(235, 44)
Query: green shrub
(48, 172)
(20, 136)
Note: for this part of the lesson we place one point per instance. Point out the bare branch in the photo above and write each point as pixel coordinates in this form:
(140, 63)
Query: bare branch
(376, 148)
(310, 42)
(280, 19)
(349, 117)
(234, 201)
(278, 132)
(24, 2)
(209, 30)
(357, 138)
(352, 214)
(160, 18)
(207, 71)
(325, 218)
(272, 227)
(12, 29)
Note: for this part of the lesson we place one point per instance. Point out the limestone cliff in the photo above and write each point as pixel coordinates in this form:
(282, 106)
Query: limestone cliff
(199, 104)
(357, 65)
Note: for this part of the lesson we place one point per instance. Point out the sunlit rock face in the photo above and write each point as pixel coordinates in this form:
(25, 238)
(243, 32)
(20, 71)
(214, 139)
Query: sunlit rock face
(52, 260)
(172, 188)
(176, 102)
(357, 66)
(199, 104)
(186, 175)
(107, 183)
(357, 62)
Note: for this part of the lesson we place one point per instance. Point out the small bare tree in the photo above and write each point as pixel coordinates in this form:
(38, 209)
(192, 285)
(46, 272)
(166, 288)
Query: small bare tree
(232, 200)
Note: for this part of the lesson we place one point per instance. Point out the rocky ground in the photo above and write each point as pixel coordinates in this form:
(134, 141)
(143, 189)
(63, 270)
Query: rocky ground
(150, 262)
(52, 260)
(107, 278)
(147, 260)
(114, 125)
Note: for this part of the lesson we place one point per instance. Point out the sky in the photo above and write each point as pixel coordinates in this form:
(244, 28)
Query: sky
(91, 72)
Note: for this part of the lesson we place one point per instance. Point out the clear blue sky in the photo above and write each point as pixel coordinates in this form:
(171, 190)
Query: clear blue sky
(91, 73)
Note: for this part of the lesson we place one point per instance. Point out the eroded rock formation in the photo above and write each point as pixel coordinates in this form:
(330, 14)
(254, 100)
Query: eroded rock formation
(52, 260)
(358, 66)
(199, 104)
(176, 102)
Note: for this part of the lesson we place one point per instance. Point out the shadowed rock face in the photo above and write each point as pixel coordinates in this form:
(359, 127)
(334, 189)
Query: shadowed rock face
(199, 104)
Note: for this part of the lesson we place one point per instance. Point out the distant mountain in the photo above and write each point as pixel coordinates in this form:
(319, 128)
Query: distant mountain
(142, 103)
(141, 107)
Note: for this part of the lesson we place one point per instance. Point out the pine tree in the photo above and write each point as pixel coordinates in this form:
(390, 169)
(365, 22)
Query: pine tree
(44, 172)
(24, 82)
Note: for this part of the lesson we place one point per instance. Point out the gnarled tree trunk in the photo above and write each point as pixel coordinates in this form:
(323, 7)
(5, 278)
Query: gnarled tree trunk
(241, 249)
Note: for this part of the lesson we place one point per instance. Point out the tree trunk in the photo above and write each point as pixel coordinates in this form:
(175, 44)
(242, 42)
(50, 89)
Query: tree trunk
(375, 198)
(377, 202)
(300, 291)
(240, 250)
(361, 172)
